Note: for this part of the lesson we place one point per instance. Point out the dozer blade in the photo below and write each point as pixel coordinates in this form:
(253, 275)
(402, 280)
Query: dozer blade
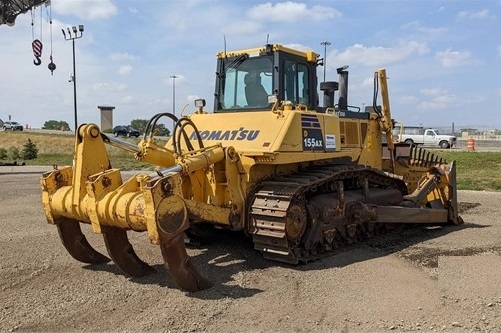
(76, 244)
(180, 266)
(123, 255)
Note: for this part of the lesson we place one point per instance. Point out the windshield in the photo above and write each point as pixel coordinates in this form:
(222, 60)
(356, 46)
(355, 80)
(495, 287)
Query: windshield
(246, 83)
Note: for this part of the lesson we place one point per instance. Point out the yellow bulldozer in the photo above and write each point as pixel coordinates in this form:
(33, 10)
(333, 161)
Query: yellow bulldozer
(301, 180)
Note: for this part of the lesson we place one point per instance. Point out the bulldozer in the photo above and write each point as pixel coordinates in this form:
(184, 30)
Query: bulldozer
(301, 180)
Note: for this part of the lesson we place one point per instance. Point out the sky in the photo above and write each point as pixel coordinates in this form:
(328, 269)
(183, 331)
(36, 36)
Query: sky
(442, 57)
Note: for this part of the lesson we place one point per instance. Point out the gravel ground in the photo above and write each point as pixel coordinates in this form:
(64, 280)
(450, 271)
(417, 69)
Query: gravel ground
(415, 279)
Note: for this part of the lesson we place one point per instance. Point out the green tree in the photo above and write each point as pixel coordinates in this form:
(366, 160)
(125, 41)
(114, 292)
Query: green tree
(30, 150)
(140, 125)
(56, 125)
(162, 130)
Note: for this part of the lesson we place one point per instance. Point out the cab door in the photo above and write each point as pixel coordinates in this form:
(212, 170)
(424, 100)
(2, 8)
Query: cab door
(429, 138)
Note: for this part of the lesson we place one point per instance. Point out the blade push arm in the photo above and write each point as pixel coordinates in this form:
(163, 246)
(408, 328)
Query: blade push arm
(385, 122)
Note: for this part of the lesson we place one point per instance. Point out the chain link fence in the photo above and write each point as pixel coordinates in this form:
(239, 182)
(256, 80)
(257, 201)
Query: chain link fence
(485, 138)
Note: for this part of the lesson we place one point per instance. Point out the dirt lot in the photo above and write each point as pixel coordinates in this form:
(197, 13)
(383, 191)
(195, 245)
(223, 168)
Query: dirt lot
(419, 279)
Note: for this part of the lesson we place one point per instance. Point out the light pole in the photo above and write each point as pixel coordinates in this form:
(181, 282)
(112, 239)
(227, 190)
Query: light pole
(173, 77)
(73, 34)
(325, 54)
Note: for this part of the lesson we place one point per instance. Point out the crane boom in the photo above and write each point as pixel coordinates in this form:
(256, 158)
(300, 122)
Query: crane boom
(11, 9)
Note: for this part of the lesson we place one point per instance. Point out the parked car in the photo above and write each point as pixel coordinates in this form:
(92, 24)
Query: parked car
(12, 125)
(125, 131)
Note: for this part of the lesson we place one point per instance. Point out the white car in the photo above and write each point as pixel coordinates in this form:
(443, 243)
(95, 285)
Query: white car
(12, 125)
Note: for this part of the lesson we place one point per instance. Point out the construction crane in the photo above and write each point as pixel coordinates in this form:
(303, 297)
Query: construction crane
(11, 9)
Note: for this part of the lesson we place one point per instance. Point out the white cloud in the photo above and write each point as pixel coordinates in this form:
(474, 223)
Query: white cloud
(406, 99)
(160, 102)
(122, 57)
(450, 59)
(128, 100)
(431, 105)
(189, 105)
(368, 82)
(92, 10)
(432, 31)
(417, 26)
(192, 98)
(125, 70)
(470, 15)
(436, 99)
(292, 12)
(446, 99)
(299, 47)
(103, 87)
(377, 55)
(432, 92)
(242, 27)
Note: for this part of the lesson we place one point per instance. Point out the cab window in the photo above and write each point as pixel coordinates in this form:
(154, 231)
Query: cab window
(296, 83)
(246, 85)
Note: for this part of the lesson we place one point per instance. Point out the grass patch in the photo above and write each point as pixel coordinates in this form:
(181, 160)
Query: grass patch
(57, 149)
(476, 170)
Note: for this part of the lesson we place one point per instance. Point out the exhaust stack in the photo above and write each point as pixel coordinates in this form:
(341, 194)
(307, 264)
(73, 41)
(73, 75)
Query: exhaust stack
(343, 88)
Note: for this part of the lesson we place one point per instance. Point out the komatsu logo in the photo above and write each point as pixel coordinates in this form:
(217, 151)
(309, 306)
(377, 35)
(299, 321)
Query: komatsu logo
(220, 135)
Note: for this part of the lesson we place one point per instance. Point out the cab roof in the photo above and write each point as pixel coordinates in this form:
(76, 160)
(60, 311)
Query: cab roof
(310, 56)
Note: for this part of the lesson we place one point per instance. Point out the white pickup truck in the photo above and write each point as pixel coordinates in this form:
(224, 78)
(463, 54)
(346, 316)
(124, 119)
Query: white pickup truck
(429, 137)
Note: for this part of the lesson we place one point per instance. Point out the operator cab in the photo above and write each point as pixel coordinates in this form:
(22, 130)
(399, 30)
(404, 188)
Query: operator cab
(252, 79)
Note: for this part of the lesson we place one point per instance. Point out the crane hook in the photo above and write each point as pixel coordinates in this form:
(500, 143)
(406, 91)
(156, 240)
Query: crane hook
(37, 51)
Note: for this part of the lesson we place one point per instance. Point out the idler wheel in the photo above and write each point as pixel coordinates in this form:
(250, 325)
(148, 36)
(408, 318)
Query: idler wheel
(296, 221)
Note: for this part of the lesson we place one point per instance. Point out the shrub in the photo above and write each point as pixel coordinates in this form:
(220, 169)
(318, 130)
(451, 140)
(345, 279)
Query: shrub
(14, 153)
(56, 125)
(30, 150)
(3, 153)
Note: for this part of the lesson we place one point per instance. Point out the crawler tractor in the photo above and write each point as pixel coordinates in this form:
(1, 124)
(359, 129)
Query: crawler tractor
(301, 180)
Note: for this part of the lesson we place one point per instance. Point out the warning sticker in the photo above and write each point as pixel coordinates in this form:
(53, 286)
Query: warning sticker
(330, 142)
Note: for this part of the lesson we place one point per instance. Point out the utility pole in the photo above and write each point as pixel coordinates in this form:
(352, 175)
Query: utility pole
(325, 54)
(173, 77)
(77, 33)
